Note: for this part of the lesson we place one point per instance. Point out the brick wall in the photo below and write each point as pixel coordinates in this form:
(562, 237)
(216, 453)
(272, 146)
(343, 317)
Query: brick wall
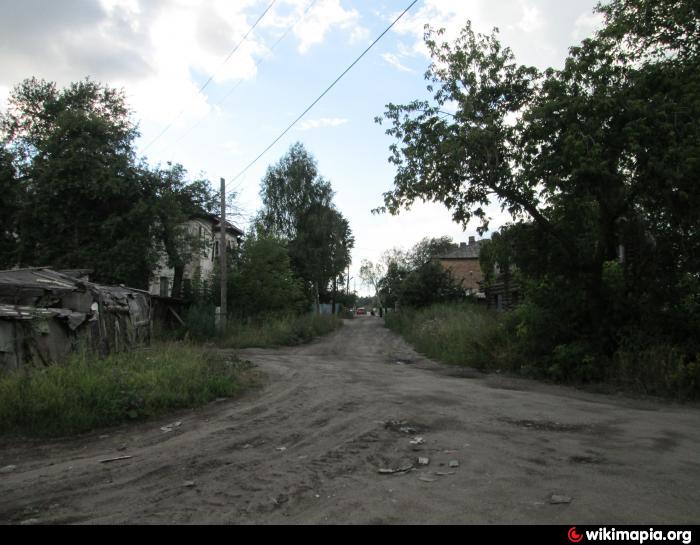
(467, 270)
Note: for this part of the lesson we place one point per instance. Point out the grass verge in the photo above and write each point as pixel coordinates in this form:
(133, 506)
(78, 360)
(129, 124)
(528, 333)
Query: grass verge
(469, 335)
(278, 331)
(87, 393)
(457, 333)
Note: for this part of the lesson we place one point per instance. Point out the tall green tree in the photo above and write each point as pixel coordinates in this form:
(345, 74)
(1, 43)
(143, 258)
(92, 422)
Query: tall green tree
(321, 250)
(75, 195)
(289, 188)
(427, 285)
(262, 281)
(390, 287)
(428, 248)
(85, 204)
(10, 206)
(595, 158)
(298, 207)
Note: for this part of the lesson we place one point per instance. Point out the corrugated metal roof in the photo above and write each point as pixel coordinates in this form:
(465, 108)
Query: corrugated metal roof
(38, 278)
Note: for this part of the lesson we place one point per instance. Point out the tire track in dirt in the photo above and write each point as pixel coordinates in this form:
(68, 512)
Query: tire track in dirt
(307, 447)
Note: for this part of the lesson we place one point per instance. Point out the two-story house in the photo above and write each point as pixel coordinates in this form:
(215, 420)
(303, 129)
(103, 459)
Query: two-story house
(206, 228)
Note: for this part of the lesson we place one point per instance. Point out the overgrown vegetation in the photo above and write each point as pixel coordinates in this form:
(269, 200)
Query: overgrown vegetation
(455, 333)
(87, 392)
(262, 281)
(597, 163)
(278, 331)
(76, 196)
(471, 335)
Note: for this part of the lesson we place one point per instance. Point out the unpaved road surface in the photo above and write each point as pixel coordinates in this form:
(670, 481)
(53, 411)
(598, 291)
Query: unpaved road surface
(307, 447)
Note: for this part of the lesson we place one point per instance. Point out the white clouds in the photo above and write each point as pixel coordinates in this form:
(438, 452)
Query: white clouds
(539, 31)
(232, 147)
(531, 20)
(310, 124)
(585, 25)
(359, 34)
(161, 53)
(4, 95)
(439, 14)
(394, 61)
(322, 18)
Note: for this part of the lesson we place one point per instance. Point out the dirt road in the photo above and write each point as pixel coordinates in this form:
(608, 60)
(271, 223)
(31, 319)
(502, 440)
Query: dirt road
(307, 448)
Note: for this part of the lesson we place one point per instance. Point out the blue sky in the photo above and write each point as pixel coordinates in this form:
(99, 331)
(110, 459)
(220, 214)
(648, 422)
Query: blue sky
(161, 53)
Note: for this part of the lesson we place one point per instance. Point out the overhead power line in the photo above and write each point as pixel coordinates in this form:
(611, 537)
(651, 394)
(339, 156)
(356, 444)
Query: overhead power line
(285, 131)
(211, 77)
(240, 80)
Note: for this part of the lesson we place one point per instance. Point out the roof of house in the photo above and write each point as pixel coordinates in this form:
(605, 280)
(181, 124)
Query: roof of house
(230, 227)
(465, 251)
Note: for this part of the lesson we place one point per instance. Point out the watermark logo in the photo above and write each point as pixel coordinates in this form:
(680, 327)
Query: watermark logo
(574, 536)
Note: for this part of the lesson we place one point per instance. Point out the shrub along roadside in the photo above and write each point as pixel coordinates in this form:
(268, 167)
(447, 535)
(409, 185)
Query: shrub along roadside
(278, 330)
(88, 392)
(465, 334)
(454, 333)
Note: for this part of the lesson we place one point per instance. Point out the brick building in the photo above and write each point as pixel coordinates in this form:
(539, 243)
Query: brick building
(464, 264)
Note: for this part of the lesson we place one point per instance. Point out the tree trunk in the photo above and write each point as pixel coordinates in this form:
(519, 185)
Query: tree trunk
(335, 289)
(600, 313)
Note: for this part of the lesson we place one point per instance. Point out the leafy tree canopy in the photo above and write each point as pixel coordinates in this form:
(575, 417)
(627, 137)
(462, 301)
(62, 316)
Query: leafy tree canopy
(289, 189)
(298, 207)
(600, 155)
(77, 197)
(263, 282)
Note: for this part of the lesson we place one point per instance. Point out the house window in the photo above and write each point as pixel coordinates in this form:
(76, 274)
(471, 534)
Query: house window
(164, 286)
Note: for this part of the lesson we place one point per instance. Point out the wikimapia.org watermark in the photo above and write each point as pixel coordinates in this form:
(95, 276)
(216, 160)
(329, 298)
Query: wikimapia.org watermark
(637, 536)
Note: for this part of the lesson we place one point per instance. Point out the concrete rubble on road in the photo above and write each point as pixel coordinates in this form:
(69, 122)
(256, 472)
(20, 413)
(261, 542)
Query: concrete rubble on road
(556, 499)
(391, 471)
(171, 427)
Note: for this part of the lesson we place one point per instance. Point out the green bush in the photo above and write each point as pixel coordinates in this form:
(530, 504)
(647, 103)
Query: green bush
(429, 284)
(465, 334)
(263, 282)
(660, 370)
(87, 392)
(200, 321)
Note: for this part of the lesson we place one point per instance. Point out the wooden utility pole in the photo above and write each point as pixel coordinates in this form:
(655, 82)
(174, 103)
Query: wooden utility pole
(223, 257)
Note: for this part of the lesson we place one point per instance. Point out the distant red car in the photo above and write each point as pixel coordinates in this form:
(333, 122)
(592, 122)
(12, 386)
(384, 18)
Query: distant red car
(361, 312)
